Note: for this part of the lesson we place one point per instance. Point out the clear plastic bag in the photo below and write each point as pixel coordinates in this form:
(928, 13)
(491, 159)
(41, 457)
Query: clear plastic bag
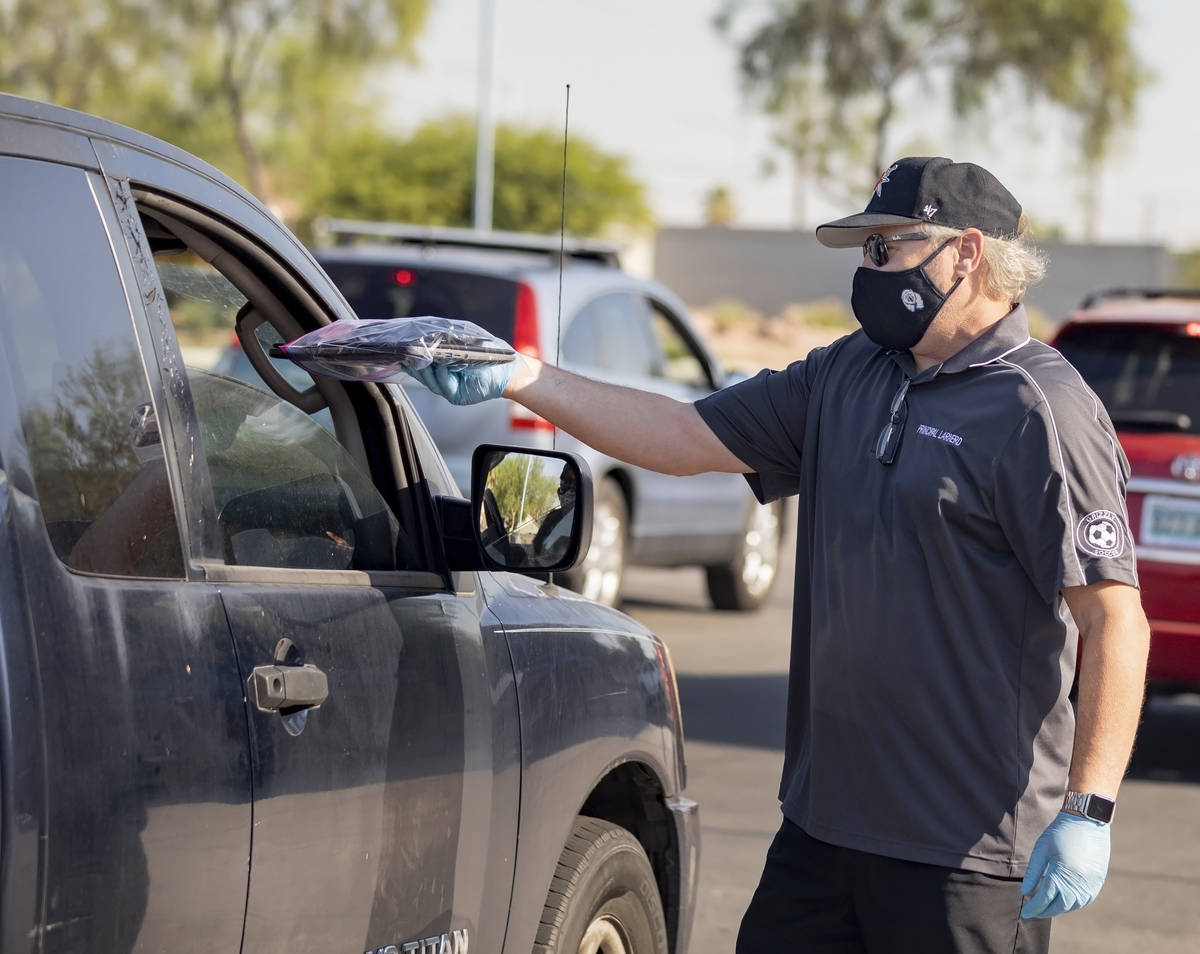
(376, 349)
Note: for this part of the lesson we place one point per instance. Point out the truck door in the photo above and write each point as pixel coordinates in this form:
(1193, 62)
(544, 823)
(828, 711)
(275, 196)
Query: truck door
(143, 817)
(382, 714)
(361, 802)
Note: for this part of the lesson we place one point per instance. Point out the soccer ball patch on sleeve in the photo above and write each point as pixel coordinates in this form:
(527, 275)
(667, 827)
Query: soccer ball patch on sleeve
(1102, 534)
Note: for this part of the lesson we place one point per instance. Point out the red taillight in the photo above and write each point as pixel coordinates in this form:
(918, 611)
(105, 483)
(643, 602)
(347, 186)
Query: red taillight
(519, 419)
(1193, 329)
(525, 340)
(525, 323)
(402, 276)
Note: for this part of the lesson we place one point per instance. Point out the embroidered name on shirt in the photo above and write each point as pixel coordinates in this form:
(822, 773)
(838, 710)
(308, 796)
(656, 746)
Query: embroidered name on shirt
(938, 434)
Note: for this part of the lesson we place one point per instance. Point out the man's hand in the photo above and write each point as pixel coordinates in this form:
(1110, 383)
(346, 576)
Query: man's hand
(1067, 867)
(460, 384)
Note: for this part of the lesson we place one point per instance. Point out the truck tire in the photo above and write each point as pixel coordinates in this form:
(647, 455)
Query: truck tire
(603, 898)
(599, 574)
(745, 582)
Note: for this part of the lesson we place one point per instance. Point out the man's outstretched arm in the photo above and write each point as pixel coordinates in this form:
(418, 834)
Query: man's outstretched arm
(640, 427)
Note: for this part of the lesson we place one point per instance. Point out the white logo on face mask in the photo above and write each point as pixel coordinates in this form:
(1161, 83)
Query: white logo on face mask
(911, 300)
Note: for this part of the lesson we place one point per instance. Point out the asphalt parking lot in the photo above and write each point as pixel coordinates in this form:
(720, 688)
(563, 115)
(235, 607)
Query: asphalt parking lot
(732, 683)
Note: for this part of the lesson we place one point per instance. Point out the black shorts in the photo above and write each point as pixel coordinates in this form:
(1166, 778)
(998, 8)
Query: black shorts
(817, 898)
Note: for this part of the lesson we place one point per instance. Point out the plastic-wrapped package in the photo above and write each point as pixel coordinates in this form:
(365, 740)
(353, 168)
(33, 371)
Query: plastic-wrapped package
(376, 349)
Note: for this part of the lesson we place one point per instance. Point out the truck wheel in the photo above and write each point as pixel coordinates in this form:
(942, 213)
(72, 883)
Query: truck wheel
(745, 582)
(599, 575)
(603, 897)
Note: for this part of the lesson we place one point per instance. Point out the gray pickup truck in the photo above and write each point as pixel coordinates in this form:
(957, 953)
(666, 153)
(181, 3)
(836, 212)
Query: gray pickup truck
(267, 683)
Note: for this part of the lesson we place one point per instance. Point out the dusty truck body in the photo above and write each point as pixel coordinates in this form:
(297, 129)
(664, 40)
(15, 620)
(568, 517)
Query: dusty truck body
(262, 687)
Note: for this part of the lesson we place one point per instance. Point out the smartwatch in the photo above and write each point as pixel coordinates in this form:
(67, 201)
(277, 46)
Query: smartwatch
(1096, 807)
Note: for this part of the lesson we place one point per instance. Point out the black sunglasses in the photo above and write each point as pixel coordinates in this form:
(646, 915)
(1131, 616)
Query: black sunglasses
(888, 441)
(876, 246)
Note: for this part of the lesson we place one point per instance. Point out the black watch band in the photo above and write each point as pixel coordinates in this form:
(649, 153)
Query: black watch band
(1096, 807)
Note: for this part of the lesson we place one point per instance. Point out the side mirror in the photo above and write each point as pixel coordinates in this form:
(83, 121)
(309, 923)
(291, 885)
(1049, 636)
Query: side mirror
(532, 509)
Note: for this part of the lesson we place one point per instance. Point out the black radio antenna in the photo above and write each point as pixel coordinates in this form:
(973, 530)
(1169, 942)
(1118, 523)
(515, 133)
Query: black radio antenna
(562, 239)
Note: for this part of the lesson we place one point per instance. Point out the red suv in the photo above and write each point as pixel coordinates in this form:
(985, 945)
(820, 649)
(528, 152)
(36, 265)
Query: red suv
(1139, 349)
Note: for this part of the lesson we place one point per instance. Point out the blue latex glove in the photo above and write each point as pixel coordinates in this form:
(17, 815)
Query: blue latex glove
(460, 384)
(1067, 867)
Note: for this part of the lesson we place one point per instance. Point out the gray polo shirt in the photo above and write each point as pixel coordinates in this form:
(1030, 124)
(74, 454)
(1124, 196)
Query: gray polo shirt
(932, 653)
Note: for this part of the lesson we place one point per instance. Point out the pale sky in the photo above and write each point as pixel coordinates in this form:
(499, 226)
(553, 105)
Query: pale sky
(652, 80)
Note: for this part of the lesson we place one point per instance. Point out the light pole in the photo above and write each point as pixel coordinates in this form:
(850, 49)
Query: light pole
(484, 135)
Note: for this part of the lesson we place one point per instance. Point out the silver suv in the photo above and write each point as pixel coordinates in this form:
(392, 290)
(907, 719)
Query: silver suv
(614, 327)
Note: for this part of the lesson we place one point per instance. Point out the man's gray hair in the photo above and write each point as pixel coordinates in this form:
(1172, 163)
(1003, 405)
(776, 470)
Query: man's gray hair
(1012, 264)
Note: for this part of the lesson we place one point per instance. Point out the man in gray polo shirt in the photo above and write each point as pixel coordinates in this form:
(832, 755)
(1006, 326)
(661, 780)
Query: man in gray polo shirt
(961, 522)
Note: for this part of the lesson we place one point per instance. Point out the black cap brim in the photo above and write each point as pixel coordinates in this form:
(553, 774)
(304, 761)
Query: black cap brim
(853, 230)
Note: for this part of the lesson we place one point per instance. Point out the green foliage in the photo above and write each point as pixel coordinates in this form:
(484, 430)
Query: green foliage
(271, 92)
(79, 442)
(1187, 269)
(719, 208)
(524, 492)
(246, 84)
(429, 178)
(829, 69)
(729, 314)
(826, 313)
(1041, 230)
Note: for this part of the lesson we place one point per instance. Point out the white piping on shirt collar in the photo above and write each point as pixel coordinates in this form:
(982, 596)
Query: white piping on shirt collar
(980, 364)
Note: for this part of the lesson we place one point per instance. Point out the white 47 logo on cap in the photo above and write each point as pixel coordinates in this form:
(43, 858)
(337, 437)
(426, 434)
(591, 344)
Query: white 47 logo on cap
(929, 211)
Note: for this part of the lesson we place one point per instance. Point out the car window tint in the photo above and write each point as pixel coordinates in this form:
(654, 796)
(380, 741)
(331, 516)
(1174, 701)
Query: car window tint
(394, 291)
(678, 361)
(1147, 376)
(85, 406)
(613, 332)
(287, 494)
(204, 306)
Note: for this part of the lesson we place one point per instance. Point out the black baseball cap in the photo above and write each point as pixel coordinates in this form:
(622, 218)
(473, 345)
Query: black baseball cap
(933, 189)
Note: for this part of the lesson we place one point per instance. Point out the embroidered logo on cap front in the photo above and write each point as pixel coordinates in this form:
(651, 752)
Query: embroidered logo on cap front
(879, 183)
(929, 211)
(1102, 534)
(911, 300)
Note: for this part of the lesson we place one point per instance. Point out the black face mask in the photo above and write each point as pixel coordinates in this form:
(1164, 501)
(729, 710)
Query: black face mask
(896, 308)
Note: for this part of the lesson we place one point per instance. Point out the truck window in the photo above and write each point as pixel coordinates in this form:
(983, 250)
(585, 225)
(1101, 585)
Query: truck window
(287, 494)
(288, 489)
(85, 408)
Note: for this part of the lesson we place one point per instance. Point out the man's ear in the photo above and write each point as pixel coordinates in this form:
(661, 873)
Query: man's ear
(970, 253)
